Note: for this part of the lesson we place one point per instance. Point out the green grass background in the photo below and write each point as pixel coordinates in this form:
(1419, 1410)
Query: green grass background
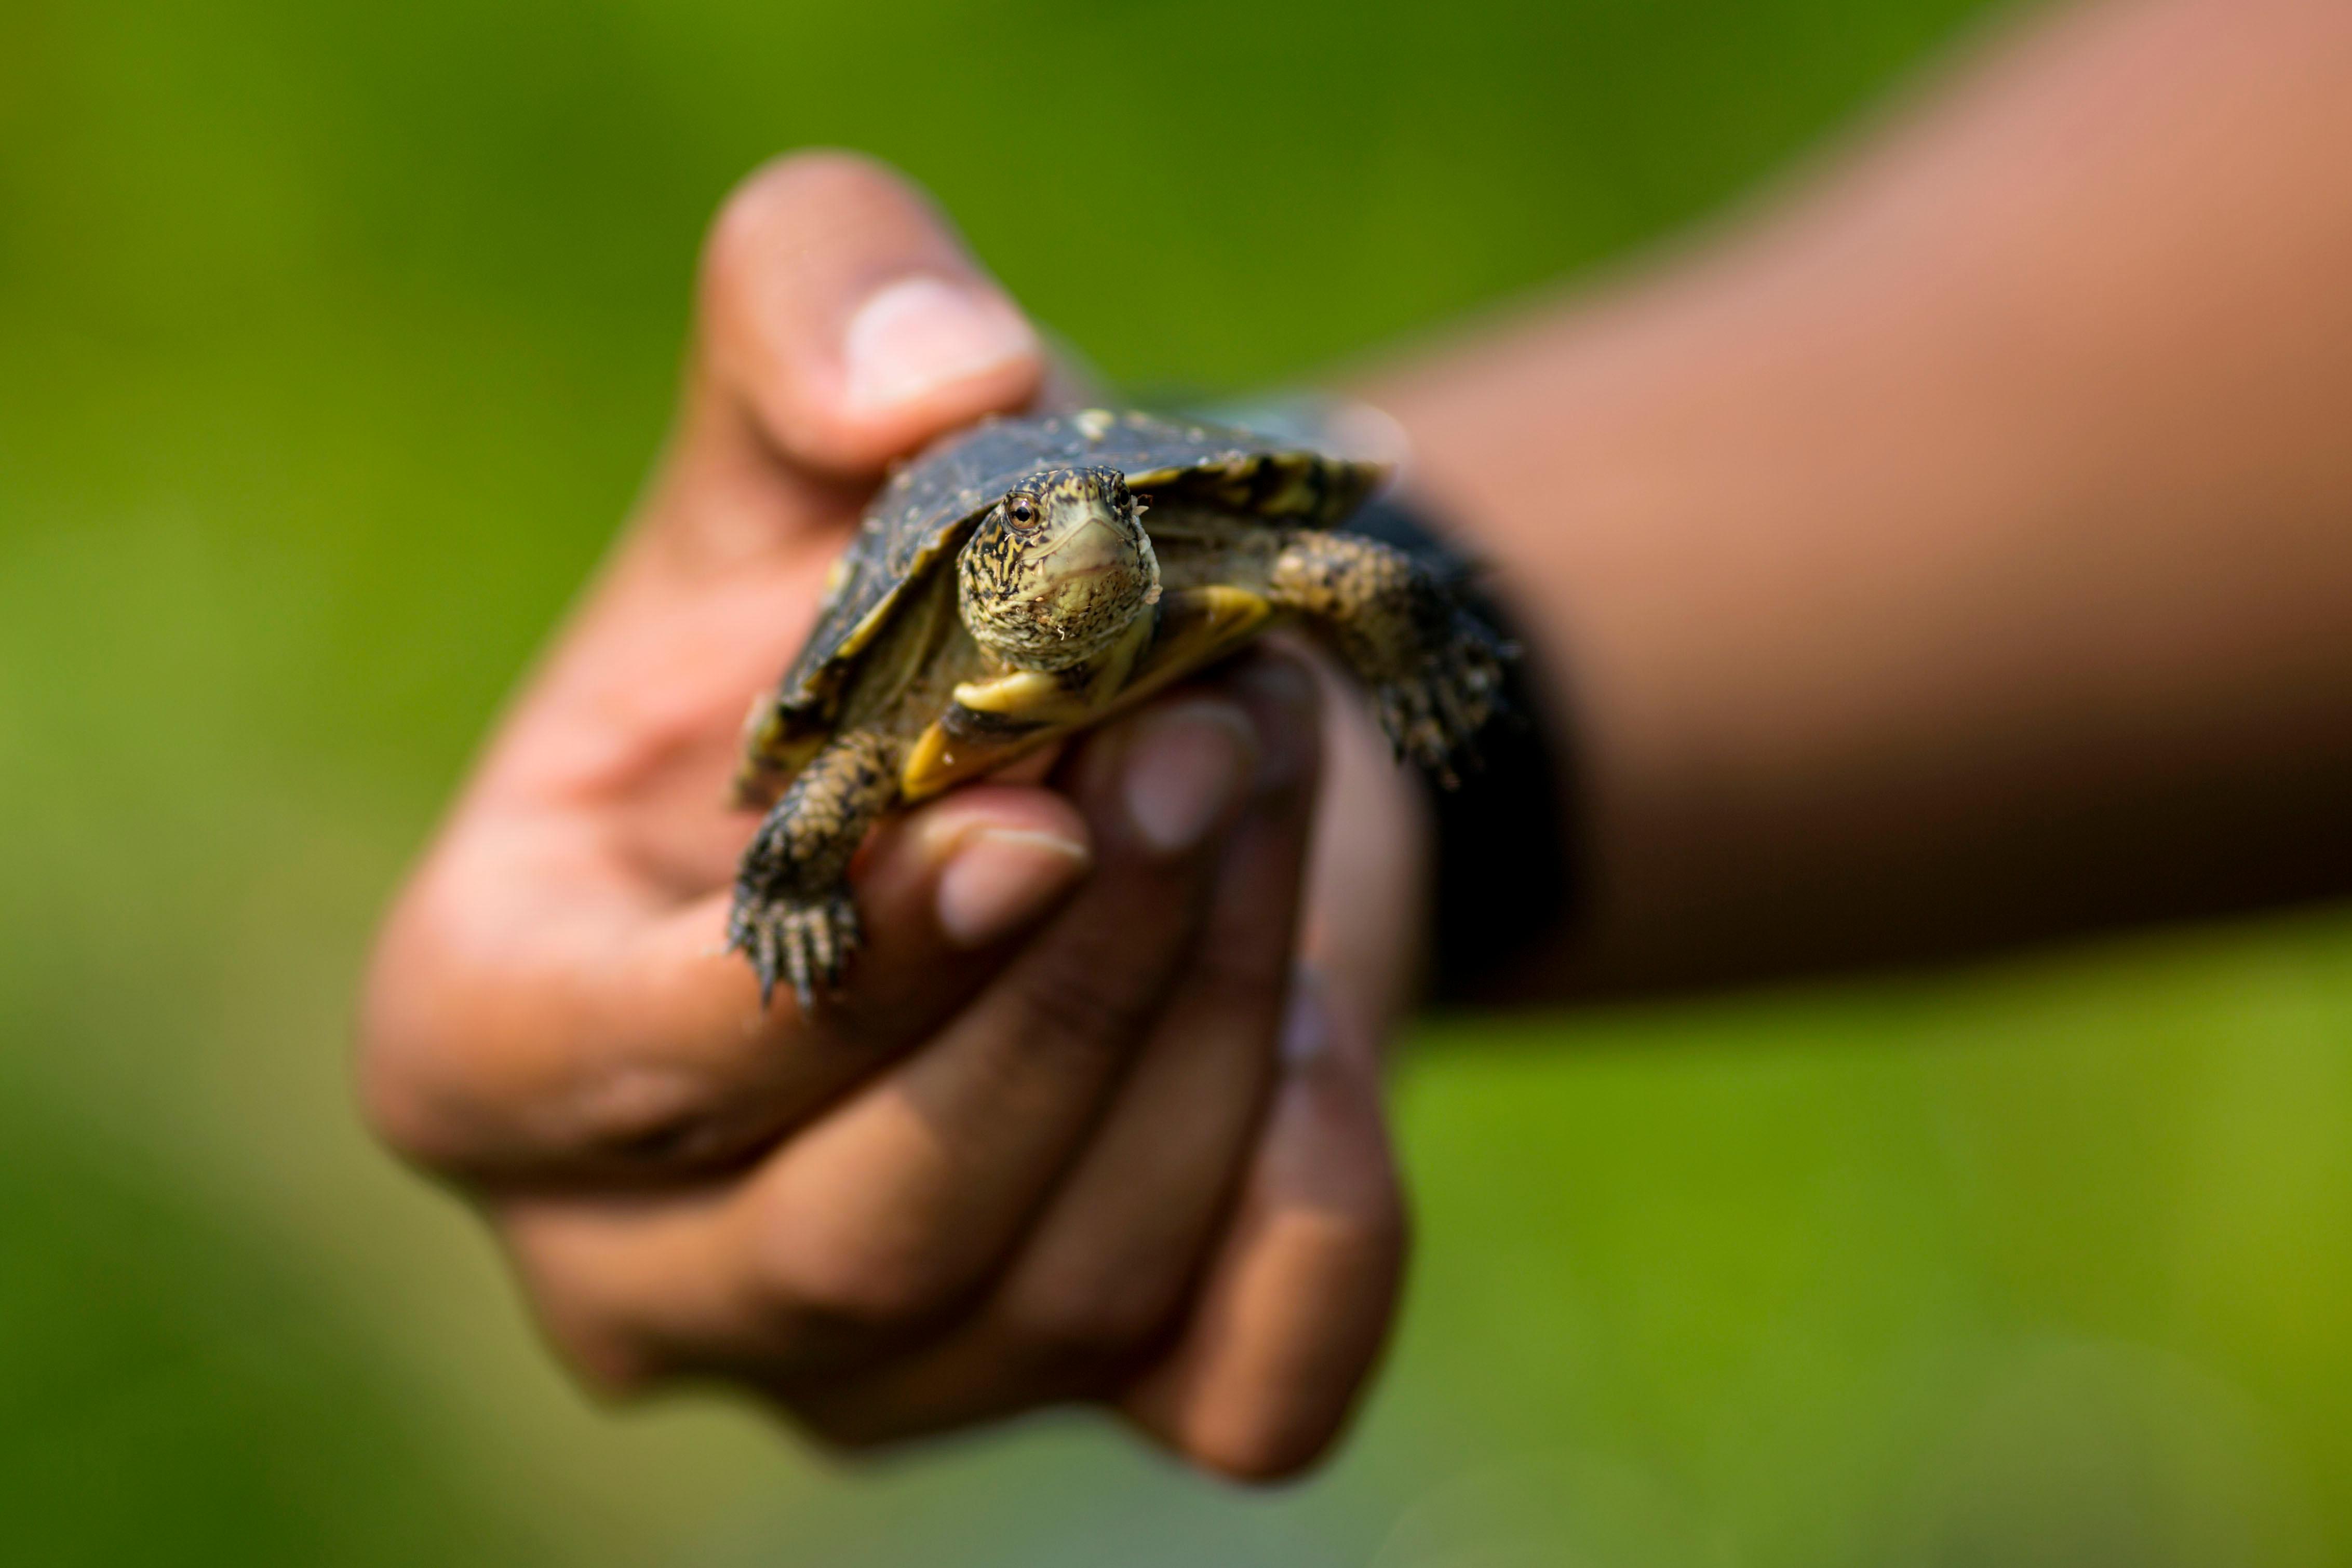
(333, 341)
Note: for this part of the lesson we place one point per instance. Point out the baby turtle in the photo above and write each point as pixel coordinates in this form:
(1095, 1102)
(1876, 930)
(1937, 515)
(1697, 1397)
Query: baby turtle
(1004, 591)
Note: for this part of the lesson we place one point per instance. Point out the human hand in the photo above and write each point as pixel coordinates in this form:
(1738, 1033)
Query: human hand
(1045, 1147)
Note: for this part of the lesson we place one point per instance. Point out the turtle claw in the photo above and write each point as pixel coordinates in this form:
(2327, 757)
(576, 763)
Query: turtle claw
(1433, 716)
(806, 940)
(793, 918)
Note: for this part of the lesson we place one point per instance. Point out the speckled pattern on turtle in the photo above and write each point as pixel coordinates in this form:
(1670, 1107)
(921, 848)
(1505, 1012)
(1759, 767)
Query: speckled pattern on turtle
(1004, 591)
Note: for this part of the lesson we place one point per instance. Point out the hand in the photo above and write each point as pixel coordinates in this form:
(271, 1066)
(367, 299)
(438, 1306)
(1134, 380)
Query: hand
(1046, 1148)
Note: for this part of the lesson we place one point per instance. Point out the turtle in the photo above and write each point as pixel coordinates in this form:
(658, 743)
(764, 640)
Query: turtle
(1002, 592)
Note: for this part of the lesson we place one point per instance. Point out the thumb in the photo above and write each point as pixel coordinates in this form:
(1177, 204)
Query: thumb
(843, 315)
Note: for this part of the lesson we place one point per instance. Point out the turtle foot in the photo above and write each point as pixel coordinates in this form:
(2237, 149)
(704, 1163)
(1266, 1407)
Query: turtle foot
(1435, 713)
(807, 939)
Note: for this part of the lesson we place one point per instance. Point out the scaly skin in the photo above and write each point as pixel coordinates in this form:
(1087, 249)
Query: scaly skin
(1435, 671)
(1055, 572)
(793, 916)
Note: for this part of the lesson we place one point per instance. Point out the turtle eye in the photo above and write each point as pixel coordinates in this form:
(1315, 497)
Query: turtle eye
(1020, 512)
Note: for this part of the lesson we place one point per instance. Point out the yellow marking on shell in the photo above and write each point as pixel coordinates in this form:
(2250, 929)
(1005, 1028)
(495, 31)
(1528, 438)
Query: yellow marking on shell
(1298, 494)
(761, 728)
(769, 762)
(863, 634)
(859, 637)
(836, 576)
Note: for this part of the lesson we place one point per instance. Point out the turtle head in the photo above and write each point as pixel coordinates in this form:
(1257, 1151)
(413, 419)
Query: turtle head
(1055, 570)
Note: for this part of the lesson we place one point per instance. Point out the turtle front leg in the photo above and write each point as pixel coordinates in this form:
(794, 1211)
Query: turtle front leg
(1436, 670)
(793, 914)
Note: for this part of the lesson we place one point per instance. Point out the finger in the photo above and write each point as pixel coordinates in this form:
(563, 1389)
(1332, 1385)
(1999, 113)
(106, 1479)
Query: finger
(840, 309)
(893, 1205)
(1368, 869)
(592, 1040)
(1296, 1306)
(1107, 1265)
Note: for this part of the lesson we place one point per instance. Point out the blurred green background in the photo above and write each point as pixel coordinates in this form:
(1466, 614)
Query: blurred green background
(333, 341)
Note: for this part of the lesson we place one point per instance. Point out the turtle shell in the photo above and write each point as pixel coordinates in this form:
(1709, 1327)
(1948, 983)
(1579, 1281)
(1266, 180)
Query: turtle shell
(924, 513)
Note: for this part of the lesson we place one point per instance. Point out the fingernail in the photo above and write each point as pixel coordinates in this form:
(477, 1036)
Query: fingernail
(1000, 879)
(1306, 1021)
(1184, 766)
(924, 332)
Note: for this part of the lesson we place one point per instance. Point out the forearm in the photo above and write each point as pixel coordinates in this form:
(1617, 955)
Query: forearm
(1964, 553)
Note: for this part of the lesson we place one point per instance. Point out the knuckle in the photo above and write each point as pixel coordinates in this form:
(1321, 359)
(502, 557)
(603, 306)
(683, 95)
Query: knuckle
(430, 1075)
(840, 1431)
(1071, 1007)
(446, 1078)
(393, 1104)
(604, 1357)
(846, 1420)
(1371, 1226)
(593, 1335)
(645, 1116)
(865, 1291)
(1093, 1327)
(1248, 982)
(475, 1112)
(1264, 1447)
(409, 1087)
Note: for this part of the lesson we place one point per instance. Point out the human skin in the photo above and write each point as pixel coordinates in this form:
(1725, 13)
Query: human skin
(1953, 553)
(1093, 1122)
(1958, 550)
